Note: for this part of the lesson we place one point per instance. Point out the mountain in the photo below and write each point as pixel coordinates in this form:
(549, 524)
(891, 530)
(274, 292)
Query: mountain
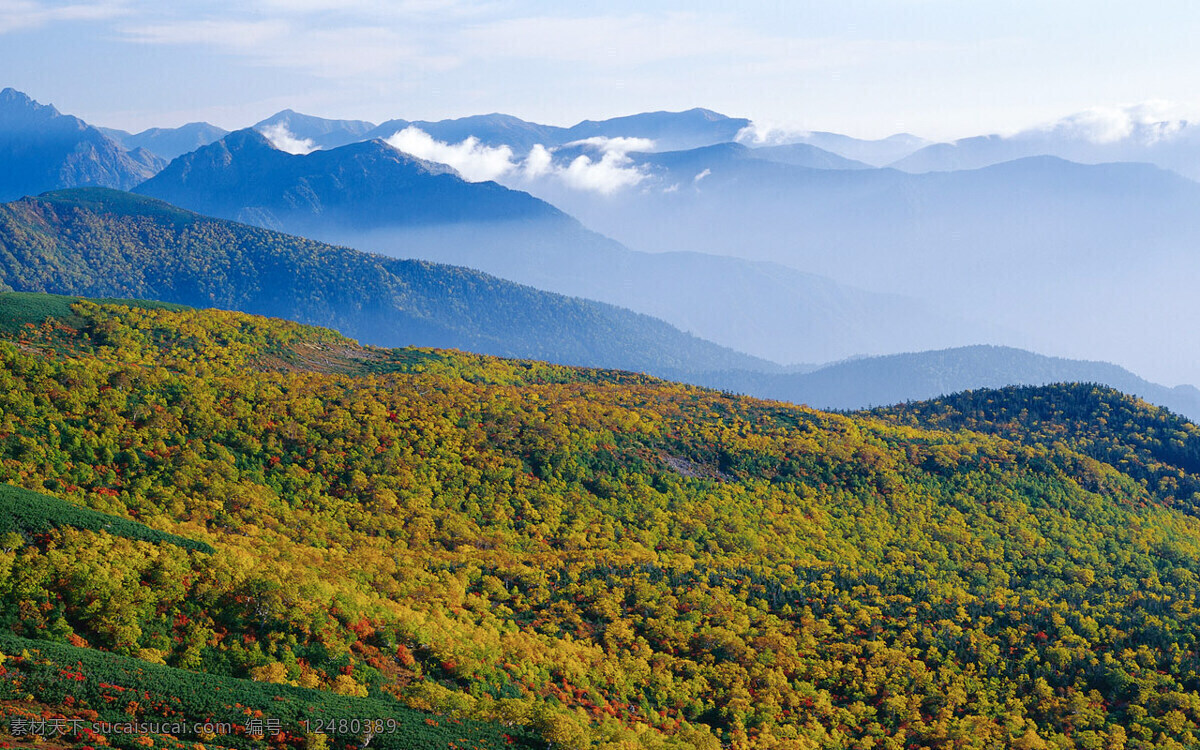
(256, 516)
(899, 378)
(370, 196)
(876, 153)
(495, 130)
(669, 130)
(318, 131)
(1087, 261)
(41, 149)
(806, 155)
(363, 185)
(168, 143)
(103, 243)
(1173, 145)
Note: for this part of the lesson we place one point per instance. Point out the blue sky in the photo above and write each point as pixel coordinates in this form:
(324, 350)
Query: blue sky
(939, 68)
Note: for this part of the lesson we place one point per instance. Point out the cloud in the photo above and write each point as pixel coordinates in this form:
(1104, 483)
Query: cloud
(473, 160)
(335, 51)
(613, 172)
(27, 14)
(538, 162)
(228, 34)
(701, 176)
(761, 133)
(282, 139)
(1145, 122)
(619, 144)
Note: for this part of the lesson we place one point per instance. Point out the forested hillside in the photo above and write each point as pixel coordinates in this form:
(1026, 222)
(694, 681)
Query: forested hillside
(1154, 446)
(604, 558)
(106, 243)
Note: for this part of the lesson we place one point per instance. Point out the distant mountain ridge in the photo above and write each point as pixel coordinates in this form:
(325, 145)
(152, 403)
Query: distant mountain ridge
(898, 378)
(42, 149)
(168, 143)
(1090, 261)
(1173, 145)
(669, 130)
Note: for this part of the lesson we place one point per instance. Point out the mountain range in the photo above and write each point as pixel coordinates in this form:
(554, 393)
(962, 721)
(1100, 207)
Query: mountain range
(1089, 261)
(1169, 144)
(168, 143)
(369, 195)
(1032, 253)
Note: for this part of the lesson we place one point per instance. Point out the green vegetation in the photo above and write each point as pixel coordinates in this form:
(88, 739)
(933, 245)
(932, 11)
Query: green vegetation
(605, 559)
(1159, 449)
(20, 309)
(119, 689)
(25, 512)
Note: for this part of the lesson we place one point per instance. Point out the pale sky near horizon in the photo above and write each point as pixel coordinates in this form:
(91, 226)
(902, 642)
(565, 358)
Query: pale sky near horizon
(938, 68)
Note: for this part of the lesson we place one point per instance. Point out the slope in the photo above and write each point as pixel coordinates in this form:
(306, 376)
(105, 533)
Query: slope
(615, 562)
(105, 243)
(1152, 445)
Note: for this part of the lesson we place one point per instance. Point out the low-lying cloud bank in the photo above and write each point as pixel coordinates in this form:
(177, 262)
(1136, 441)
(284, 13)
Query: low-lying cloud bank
(614, 170)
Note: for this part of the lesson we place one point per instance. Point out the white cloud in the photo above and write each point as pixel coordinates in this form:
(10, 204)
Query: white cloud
(1146, 122)
(761, 133)
(228, 34)
(473, 160)
(539, 162)
(701, 176)
(26, 14)
(282, 139)
(613, 172)
(334, 51)
(620, 144)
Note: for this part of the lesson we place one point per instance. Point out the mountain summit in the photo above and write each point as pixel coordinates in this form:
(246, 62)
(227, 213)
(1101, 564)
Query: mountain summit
(42, 149)
(361, 185)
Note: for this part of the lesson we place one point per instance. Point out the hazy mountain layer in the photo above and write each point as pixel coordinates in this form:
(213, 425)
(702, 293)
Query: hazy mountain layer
(1173, 145)
(895, 379)
(876, 153)
(1090, 261)
(168, 143)
(806, 155)
(370, 196)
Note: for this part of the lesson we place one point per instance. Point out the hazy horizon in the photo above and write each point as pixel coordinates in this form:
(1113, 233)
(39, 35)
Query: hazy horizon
(937, 69)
